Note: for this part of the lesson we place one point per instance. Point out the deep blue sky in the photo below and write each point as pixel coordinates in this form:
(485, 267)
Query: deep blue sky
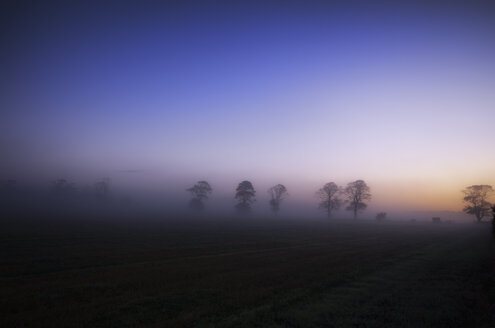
(299, 93)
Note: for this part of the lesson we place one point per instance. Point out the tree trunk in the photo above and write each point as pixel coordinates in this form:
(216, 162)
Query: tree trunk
(493, 221)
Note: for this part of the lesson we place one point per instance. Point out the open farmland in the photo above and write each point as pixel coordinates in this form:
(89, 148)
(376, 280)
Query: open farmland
(246, 273)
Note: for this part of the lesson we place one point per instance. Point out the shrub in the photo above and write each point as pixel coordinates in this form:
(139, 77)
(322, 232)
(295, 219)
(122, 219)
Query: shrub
(435, 219)
(381, 216)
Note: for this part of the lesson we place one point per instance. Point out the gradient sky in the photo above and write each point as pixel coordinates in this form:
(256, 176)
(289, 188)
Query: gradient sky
(402, 96)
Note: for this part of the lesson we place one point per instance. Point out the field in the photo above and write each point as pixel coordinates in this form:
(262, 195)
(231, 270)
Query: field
(246, 273)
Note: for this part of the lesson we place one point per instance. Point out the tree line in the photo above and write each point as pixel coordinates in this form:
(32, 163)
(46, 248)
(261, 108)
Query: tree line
(332, 197)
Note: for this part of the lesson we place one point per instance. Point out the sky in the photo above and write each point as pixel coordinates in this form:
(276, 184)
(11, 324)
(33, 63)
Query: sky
(158, 95)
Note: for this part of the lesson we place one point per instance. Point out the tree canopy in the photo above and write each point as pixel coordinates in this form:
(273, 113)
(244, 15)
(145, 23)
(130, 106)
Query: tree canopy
(277, 194)
(357, 193)
(199, 192)
(245, 195)
(329, 196)
(476, 200)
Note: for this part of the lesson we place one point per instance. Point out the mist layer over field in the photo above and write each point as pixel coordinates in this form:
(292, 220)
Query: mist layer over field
(156, 96)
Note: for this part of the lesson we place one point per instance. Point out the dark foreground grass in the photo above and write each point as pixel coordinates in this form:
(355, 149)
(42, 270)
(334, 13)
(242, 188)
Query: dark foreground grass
(246, 274)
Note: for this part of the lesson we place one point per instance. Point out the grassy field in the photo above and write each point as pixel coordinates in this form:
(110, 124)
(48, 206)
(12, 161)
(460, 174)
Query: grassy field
(246, 273)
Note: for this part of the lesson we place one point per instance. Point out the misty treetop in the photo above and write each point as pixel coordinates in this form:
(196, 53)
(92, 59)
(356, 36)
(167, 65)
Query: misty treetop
(357, 193)
(277, 194)
(63, 188)
(476, 200)
(199, 192)
(329, 196)
(245, 195)
(102, 188)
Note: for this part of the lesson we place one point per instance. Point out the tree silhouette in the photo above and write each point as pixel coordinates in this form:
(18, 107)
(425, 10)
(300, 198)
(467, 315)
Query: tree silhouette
(357, 193)
(200, 192)
(329, 196)
(245, 196)
(382, 216)
(277, 194)
(493, 221)
(102, 188)
(63, 188)
(475, 198)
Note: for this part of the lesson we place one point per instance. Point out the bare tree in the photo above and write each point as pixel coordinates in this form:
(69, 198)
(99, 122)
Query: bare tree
(329, 196)
(357, 193)
(245, 195)
(277, 194)
(199, 192)
(476, 200)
